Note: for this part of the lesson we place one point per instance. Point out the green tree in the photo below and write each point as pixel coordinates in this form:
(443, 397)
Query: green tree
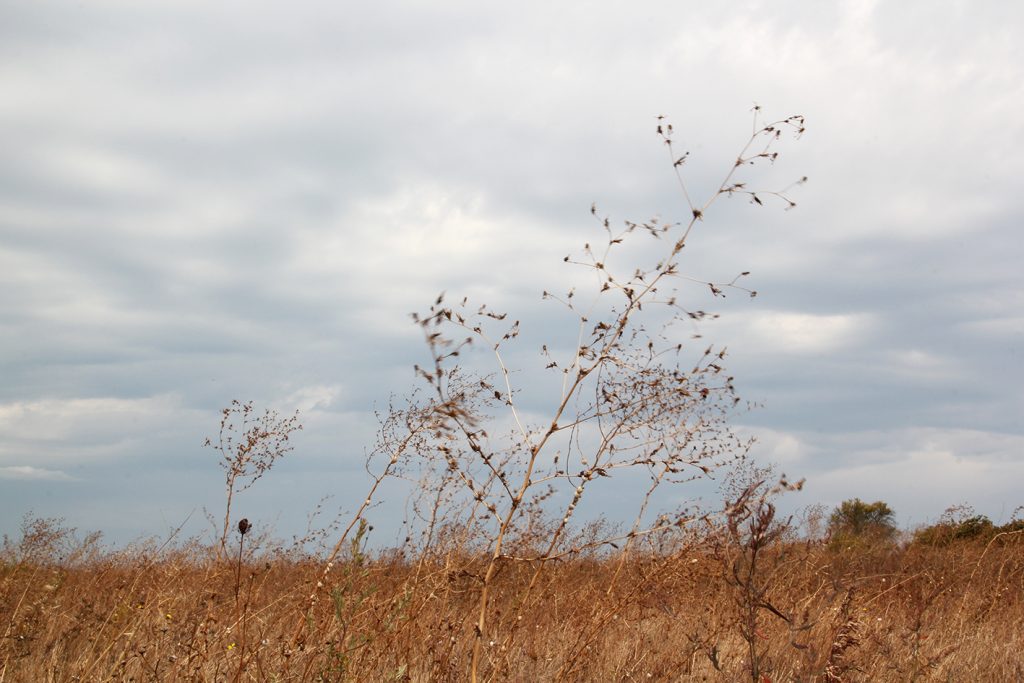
(857, 522)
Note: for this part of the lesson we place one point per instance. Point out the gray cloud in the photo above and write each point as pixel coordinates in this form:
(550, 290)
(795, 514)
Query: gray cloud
(203, 203)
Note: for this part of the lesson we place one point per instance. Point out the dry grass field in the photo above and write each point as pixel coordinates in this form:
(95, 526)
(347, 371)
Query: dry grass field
(71, 612)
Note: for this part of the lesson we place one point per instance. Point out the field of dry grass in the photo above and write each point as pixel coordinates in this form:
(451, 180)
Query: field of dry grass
(871, 614)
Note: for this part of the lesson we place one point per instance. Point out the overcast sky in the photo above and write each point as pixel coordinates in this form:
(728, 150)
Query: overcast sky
(203, 201)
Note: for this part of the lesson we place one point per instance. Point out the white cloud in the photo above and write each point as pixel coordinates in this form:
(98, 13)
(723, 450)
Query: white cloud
(96, 168)
(92, 430)
(793, 333)
(71, 418)
(773, 446)
(922, 484)
(27, 472)
(919, 471)
(923, 364)
(1009, 328)
(313, 398)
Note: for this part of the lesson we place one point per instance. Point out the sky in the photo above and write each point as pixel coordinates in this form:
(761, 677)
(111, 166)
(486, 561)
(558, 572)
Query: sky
(208, 201)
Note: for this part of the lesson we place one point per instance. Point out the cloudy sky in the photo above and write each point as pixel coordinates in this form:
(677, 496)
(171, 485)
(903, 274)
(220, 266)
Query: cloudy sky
(204, 201)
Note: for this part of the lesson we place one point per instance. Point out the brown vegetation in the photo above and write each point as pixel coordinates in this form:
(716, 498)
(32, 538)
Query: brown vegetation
(883, 613)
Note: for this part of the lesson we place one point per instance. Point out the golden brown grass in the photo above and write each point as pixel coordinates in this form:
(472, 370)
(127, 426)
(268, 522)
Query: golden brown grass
(870, 614)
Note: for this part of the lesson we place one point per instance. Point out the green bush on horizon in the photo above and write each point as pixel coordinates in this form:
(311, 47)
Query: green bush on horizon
(855, 523)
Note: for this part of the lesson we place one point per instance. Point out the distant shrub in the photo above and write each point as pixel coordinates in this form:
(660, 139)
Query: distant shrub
(1016, 525)
(856, 523)
(960, 523)
(952, 529)
(946, 532)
